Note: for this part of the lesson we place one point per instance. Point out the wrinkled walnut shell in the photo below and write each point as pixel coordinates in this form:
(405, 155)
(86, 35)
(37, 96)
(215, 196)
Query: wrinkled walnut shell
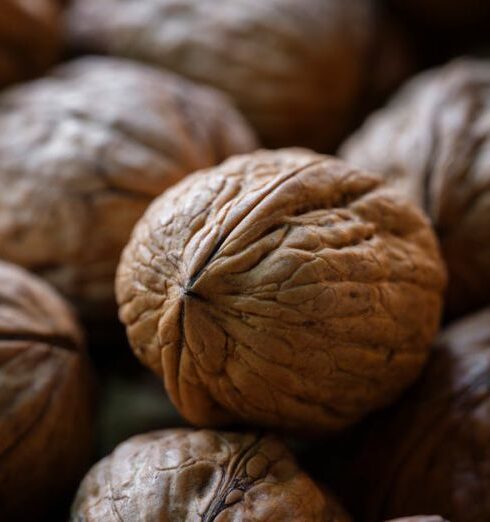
(202, 476)
(431, 453)
(432, 142)
(282, 289)
(45, 399)
(82, 153)
(29, 38)
(297, 70)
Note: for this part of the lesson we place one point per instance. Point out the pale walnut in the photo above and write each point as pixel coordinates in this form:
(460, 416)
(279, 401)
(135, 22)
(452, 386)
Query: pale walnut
(282, 289)
(29, 38)
(421, 518)
(84, 151)
(298, 70)
(431, 453)
(432, 142)
(203, 476)
(45, 399)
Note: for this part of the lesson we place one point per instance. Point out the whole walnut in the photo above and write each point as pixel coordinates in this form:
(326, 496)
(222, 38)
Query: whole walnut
(29, 38)
(432, 142)
(187, 475)
(298, 70)
(282, 289)
(431, 453)
(45, 399)
(83, 152)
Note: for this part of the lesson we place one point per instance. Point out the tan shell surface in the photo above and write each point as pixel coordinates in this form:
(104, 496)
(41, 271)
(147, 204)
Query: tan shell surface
(432, 142)
(202, 476)
(283, 289)
(83, 152)
(294, 68)
(45, 411)
(422, 518)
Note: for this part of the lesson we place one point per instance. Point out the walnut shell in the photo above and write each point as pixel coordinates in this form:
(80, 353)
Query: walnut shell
(45, 398)
(202, 475)
(29, 38)
(432, 452)
(443, 115)
(83, 152)
(282, 289)
(297, 70)
(422, 518)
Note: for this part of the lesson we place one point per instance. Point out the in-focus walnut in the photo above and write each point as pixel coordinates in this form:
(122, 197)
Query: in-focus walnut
(45, 399)
(186, 475)
(298, 70)
(431, 453)
(283, 289)
(433, 143)
(83, 152)
(29, 38)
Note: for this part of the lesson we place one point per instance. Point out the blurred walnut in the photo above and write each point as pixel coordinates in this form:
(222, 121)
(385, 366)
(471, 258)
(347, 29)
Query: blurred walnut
(432, 452)
(421, 518)
(282, 288)
(299, 70)
(29, 38)
(433, 143)
(83, 152)
(186, 475)
(45, 411)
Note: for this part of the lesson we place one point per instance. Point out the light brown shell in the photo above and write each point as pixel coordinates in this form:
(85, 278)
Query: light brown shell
(201, 476)
(432, 142)
(298, 70)
(431, 453)
(422, 518)
(83, 152)
(29, 38)
(45, 399)
(283, 289)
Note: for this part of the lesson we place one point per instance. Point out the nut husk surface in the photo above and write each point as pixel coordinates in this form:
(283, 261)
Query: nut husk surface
(432, 142)
(45, 399)
(297, 70)
(83, 152)
(283, 289)
(182, 474)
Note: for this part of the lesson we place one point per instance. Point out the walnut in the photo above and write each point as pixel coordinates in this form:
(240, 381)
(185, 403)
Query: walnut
(431, 453)
(443, 115)
(421, 518)
(281, 289)
(45, 398)
(29, 38)
(182, 474)
(297, 70)
(83, 152)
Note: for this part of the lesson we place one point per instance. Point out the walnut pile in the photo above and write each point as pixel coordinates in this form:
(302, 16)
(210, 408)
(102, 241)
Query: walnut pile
(432, 142)
(298, 70)
(431, 453)
(83, 152)
(29, 38)
(45, 398)
(183, 474)
(282, 289)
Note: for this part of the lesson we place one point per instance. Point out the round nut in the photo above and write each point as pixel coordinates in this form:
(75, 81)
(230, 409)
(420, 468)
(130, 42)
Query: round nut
(201, 475)
(29, 38)
(282, 289)
(83, 152)
(444, 115)
(297, 70)
(45, 399)
(431, 454)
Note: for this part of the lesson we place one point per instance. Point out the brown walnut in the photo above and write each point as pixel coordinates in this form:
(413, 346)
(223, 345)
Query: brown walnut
(45, 399)
(431, 453)
(432, 142)
(283, 289)
(82, 153)
(186, 475)
(298, 70)
(29, 38)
